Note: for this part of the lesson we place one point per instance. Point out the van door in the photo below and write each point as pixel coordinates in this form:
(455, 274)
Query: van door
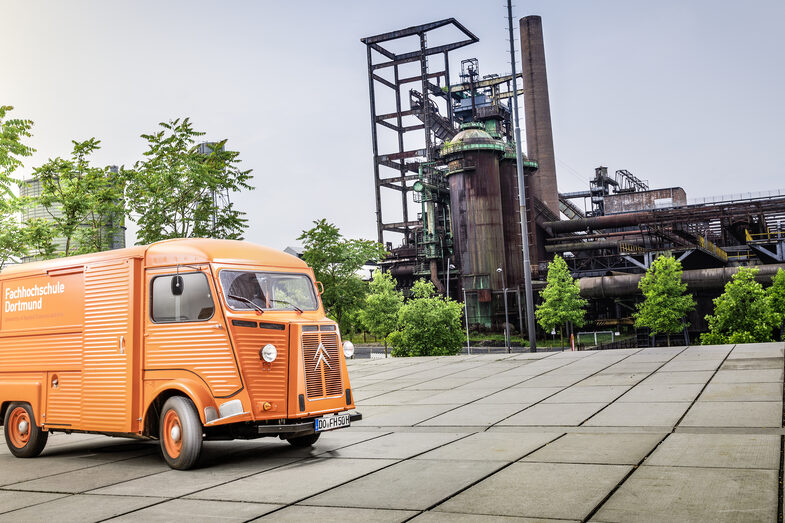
(108, 386)
(185, 330)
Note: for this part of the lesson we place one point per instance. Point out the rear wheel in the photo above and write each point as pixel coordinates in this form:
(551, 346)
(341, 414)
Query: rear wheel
(23, 437)
(180, 433)
(304, 441)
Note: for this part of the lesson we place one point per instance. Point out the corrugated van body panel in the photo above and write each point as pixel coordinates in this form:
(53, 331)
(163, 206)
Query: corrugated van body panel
(200, 347)
(64, 403)
(42, 352)
(264, 381)
(108, 296)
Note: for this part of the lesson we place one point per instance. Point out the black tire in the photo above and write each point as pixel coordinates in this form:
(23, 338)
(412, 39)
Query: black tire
(27, 444)
(181, 452)
(301, 442)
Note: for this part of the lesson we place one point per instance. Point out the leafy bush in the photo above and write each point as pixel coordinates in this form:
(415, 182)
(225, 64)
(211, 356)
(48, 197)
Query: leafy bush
(379, 316)
(743, 313)
(666, 302)
(428, 325)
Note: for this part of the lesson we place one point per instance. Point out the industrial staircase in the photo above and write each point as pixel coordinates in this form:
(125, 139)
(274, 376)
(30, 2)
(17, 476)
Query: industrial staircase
(440, 125)
(569, 209)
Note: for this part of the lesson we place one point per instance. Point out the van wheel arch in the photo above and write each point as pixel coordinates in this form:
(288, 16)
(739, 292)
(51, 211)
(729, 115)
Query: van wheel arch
(152, 417)
(3, 407)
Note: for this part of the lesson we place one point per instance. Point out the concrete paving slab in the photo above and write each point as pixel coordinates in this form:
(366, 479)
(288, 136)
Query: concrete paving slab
(601, 449)
(693, 494)
(497, 382)
(475, 415)
(747, 451)
(752, 363)
(556, 414)
(679, 377)
(685, 365)
(519, 395)
(189, 510)
(398, 397)
(625, 366)
(408, 485)
(96, 477)
(645, 393)
(765, 350)
(491, 446)
(300, 513)
(580, 488)
(12, 500)
(734, 414)
(399, 416)
(449, 517)
(454, 396)
(748, 376)
(552, 379)
(639, 415)
(579, 394)
(440, 384)
(742, 392)
(291, 483)
(176, 483)
(79, 508)
(399, 445)
(603, 380)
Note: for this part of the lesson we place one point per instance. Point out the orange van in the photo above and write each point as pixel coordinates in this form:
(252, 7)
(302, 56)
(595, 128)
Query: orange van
(181, 340)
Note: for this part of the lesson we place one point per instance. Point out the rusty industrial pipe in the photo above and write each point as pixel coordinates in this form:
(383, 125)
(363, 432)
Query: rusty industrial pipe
(627, 284)
(598, 222)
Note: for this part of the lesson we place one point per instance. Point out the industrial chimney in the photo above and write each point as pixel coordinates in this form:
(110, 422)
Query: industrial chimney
(537, 109)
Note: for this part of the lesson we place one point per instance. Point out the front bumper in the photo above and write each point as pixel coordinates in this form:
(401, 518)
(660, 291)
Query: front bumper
(282, 430)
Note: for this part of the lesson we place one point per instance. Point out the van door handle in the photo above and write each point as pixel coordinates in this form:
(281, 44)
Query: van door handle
(122, 344)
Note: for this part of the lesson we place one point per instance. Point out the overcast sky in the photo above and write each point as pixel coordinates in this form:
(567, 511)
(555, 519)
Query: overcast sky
(680, 93)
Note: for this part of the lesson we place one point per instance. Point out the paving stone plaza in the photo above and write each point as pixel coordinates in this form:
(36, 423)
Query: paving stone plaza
(657, 434)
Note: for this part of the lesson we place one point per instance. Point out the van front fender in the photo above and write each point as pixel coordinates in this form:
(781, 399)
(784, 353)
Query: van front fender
(157, 383)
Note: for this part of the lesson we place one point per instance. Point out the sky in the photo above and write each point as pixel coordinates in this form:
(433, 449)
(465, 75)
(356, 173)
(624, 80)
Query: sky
(685, 94)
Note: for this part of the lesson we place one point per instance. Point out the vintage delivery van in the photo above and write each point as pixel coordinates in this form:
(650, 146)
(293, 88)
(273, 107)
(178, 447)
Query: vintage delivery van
(181, 340)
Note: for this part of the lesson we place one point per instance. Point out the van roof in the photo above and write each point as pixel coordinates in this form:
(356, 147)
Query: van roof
(172, 252)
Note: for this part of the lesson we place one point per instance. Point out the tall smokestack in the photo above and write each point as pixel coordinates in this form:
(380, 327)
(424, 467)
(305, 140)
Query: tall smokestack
(539, 135)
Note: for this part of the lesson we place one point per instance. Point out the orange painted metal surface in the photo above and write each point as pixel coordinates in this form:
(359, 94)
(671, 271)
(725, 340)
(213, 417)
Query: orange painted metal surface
(78, 343)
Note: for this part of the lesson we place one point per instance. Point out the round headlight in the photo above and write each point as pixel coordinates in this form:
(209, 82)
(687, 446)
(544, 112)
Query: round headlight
(269, 353)
(348, 349)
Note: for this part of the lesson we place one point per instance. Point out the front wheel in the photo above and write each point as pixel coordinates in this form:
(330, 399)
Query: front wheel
(24, 438)
(180, 433)
(304, 441)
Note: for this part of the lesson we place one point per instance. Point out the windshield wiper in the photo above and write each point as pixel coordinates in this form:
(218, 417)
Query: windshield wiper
(246, 300)
(292, 305)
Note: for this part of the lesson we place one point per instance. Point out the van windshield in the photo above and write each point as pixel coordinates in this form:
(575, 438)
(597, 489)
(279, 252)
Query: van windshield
(268, 290)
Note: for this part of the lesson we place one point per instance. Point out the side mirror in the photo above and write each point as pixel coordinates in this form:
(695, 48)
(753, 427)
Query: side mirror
(177, 285)
(320, 287)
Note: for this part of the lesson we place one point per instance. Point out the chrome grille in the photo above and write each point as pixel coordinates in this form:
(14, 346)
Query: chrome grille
(322, 367)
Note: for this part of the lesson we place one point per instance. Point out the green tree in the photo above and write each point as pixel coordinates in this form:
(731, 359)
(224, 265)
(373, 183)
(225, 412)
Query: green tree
(562, 303)
(175, 191)
(16, 237)
(81, 199)
(776, 295)
(336, 261)
(379, 314)
(743, 313)
(665, 302)
(428, 324)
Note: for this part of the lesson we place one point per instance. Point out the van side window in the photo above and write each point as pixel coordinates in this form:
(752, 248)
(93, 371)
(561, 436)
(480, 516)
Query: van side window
(181, 297)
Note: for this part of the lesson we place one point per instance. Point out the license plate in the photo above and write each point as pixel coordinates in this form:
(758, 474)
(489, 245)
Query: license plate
(331, 422)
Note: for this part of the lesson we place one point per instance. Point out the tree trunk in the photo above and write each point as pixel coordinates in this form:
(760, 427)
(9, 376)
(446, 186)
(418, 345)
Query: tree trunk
(561, 337)
(669, 339)
(385, 347)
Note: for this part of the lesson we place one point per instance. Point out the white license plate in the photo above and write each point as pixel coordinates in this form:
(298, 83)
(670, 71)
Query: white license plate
(331, 422)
